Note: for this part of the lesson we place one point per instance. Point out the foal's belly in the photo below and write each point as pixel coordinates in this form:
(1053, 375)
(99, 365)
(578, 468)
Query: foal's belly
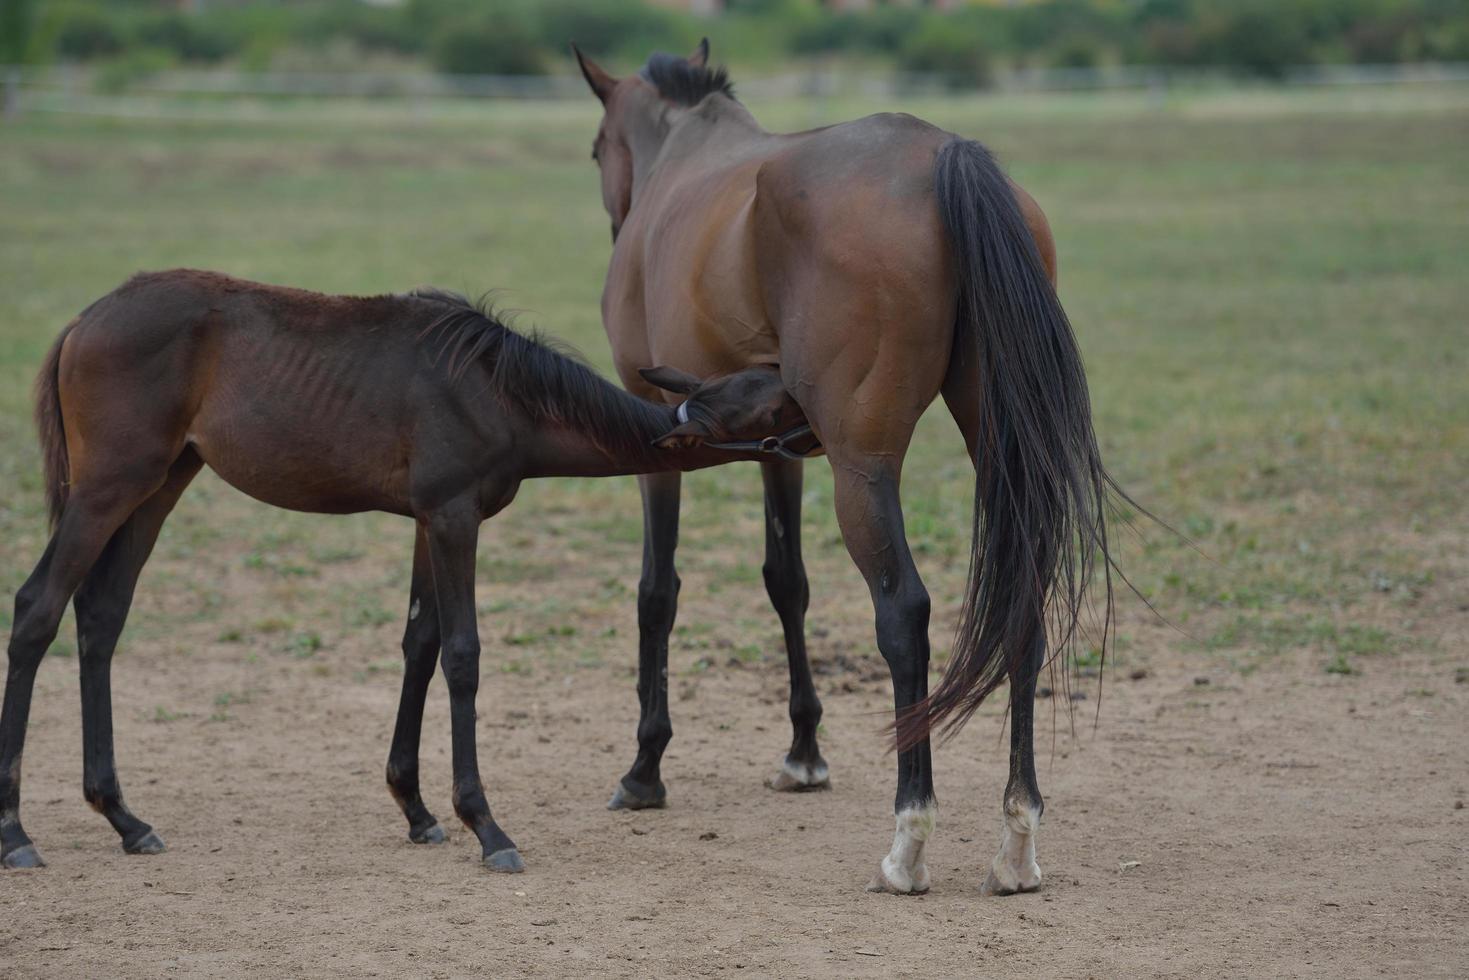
(301, 472)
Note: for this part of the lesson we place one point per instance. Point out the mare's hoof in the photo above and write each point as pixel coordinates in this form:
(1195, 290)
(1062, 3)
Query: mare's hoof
(898, 884)
(507, 861)
(432, 834)
(993, 886)
(24, 857)
(149, 843)
(800, 777)
(631, 796)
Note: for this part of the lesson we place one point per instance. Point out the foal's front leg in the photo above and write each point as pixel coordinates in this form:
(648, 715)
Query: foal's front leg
(452, 532)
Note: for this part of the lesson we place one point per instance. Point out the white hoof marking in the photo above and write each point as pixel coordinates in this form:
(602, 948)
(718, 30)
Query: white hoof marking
(904, 870)
(799, 775)
(1014, 868)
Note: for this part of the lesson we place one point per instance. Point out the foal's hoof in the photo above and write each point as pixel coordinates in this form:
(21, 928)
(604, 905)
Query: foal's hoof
(994, 885)
(506, 862)
(899, 883)
(634, 796)
(149, 843)
(24, 857)
(432, 834)
(800, 777)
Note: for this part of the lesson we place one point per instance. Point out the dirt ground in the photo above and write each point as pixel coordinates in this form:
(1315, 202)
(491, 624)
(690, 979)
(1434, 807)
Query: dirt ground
(1284, 822)
(1264, 284)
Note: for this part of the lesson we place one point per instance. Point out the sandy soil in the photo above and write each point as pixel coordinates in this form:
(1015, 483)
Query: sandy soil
(1288, 822)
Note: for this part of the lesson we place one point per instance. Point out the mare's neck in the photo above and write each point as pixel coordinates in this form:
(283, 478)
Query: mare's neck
(677, 132)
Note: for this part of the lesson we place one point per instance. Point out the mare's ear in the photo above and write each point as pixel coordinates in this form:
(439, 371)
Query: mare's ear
(685, 436)
(601, 83)
(700, 57)
(671, 379)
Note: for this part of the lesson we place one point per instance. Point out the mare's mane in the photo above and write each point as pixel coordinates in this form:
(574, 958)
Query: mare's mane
(682, 83)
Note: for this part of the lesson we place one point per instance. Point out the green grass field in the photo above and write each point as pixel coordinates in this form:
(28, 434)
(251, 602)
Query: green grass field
(1270, 289)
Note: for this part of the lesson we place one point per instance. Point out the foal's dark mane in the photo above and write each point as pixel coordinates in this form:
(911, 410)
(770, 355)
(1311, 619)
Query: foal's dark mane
(545, 379)
(682, 83)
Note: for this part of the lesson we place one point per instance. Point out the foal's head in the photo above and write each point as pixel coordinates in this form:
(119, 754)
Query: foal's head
(747, 405)
(637, 111)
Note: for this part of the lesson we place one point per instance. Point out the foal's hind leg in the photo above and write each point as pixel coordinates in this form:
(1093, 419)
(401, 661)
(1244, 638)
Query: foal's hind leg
(102, 603)
(420, 654)
(785, 580)
(95, 511)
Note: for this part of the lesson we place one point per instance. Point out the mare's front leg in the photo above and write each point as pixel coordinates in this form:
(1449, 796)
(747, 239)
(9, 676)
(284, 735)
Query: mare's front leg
(871, 519)
(420, 653)
(452, 532)
(785, 581)
(642, 787)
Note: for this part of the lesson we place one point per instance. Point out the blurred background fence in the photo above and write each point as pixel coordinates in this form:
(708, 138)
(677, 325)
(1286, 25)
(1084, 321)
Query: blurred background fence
(233, 93)
(69, 55)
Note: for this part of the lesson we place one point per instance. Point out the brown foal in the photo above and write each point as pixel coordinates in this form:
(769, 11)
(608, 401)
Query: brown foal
(421, 405)
(876, 264)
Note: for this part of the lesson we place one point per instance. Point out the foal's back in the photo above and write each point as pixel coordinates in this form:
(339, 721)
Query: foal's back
(300, 399)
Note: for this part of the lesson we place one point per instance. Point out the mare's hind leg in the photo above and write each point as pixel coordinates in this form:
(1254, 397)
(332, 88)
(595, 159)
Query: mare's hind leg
(871, 519)
(420, 655)
(785, 581)
(94, 512)
(102, 603)
(1014, 868)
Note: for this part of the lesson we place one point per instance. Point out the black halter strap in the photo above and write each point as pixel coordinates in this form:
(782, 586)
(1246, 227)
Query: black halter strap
(772, 445)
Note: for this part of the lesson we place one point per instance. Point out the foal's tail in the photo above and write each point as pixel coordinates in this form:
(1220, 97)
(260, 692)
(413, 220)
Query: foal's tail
(1040, 528)
(53, 436)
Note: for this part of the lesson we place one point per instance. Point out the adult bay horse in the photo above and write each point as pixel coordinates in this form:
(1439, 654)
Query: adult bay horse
(422, 405)
(877, 264)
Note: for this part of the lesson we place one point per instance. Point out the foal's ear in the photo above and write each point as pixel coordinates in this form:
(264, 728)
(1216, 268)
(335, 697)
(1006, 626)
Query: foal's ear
(686, 436)
(602, 83)
(671, 379)
(700, 57)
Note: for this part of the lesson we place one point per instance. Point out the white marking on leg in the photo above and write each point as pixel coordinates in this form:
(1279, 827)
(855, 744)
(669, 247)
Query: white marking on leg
(804, 774)
(904, 869)
(799, 775)
(1014, 868)
(799, 772)
(413, 610)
